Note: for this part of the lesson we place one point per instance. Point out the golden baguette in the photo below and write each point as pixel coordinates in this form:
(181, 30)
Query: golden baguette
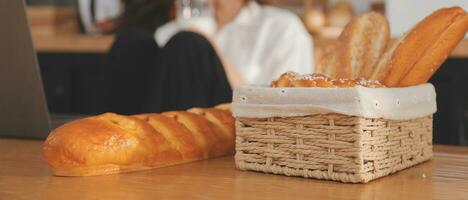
(222, 119)
(435, 55)
(398, 61)
(212, 136)
(359, 47)
(112, 143)
(224, 106)
(181, 138)
(106, 144)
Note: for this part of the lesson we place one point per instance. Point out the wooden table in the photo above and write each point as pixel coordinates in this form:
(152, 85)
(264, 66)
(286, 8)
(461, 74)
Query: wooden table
(24, 175)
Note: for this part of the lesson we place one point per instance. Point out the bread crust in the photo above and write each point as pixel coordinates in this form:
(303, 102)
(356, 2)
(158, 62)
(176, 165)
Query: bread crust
(224, 106)
(382, 67)
(359, 47)
(176, 134)
(203, 130)
(437, 53)
(222, 119)
(400, 60)
(107, 143)
(112, 143)
(323, 81)
(284, 79)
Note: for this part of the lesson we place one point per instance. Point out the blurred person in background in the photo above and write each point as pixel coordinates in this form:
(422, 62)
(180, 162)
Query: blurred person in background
(139, 76)
(255, 42)
(158, 65)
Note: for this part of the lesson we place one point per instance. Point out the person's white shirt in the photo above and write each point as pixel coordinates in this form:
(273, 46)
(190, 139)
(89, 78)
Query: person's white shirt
(261, 43)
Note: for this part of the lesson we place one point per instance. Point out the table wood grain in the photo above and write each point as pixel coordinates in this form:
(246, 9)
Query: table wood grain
(24, 174)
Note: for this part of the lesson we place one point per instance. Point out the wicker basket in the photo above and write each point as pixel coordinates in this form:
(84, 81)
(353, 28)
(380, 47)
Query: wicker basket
(332, 146)
(345, 134)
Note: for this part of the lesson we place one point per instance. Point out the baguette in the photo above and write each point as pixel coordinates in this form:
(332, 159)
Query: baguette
(177, 135)
(110, 143)
(423, 45)
(222, 119)
(225, 106)
(359, 47)
(210, 136)
(435, 55)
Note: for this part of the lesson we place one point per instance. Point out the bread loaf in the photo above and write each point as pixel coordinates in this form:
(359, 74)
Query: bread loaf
(437, 53)
(209, 135)
(112, 143)
(179, 137)
(222, 119)
(425, 47)
(359, 47)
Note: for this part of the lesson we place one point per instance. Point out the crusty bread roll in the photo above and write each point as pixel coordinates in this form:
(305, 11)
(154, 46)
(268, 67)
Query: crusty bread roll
(423, 45)
(112, 143)
(359, 47)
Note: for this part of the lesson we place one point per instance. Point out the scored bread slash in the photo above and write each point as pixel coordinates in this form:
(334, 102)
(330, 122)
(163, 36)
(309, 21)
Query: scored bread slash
(176, 134)
(215, 142)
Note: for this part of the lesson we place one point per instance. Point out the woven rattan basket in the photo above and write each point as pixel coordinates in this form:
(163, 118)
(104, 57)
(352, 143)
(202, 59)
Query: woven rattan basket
(331, 146)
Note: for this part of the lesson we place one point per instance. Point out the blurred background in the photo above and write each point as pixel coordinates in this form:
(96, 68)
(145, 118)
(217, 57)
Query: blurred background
(73, 37)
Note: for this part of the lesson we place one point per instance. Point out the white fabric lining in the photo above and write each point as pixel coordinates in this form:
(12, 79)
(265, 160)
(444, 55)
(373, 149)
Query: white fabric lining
(389, 103)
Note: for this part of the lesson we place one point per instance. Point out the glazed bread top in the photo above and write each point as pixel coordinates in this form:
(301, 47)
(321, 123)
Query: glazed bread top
(292, 79)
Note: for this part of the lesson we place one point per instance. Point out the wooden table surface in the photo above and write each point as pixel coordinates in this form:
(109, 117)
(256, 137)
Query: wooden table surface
(25, 175)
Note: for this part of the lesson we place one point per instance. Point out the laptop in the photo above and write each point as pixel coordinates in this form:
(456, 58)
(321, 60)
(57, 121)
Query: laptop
(23, 107)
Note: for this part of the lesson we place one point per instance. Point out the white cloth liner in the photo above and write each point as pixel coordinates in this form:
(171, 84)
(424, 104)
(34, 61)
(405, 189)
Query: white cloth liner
(389, 103)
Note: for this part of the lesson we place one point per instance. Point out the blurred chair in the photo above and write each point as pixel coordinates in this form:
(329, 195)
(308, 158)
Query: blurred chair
(451, 120)
(125, 76)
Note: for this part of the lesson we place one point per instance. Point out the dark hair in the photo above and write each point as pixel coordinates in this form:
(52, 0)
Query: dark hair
(145, 14)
